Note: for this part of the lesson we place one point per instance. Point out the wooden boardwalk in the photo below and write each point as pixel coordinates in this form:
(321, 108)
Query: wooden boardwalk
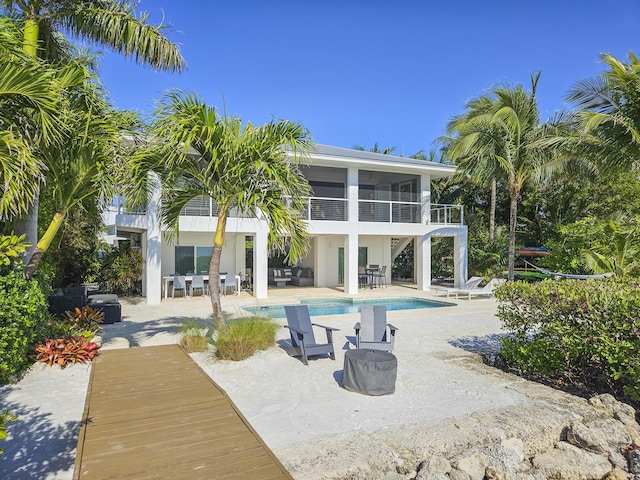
(152, 413)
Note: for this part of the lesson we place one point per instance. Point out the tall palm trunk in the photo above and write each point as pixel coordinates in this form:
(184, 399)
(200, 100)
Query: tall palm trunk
(513, 215)
(492, 212)
(214, 266)
(44, 243)
(29, 223)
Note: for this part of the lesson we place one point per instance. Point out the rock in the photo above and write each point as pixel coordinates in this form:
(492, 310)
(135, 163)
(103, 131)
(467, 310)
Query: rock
(470, 463)
(567, 461)
(514, 444)
(435, 464)
(494, 473)
(616, 474)
(590, 439)
(633, 457)
(617, 460)
(613, 431)
(431, 476)
(500, 457)
(394, 476)
(634, 434)
(621, 411)
(456, 474)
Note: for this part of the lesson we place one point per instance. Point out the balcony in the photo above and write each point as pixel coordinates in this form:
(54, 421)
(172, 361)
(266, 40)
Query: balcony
(385, 211)
(446, 215)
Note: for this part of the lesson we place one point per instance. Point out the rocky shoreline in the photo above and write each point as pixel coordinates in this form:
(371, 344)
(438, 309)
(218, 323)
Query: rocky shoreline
(559, 436)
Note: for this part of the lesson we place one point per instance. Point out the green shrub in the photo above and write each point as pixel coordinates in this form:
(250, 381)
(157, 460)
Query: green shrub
(4, 419)
(585, 330)
(121, 271)
(195, 335)
(23, 320)
(240, 339)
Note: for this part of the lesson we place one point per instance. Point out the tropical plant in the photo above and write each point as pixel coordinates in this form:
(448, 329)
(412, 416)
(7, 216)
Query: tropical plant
(109, 23)
(29, 92)
(244, 168)
(465, 126)
(195, 335)
(619, 252)
(500, 140)
(85, 318)
(609, 114)
(376, 149)
(23, 320)
(65, 351)
(11, 247)
(585, 331)
(241, 338)
(5, 418)
(121, 270)
(88, 147)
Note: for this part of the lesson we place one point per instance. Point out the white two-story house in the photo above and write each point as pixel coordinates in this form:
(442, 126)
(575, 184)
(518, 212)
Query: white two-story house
(365, 209)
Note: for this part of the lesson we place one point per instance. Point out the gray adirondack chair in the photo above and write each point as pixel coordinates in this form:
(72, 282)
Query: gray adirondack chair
(373, 331)
(303, 341)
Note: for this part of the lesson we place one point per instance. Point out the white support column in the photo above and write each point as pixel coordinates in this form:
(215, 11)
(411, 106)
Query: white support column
(460, 258)
(422, 262)
(240, 254)
(260, 263)
(153, 270)
(425, 198)
(351, 264)
(320, 261)
(351, 241)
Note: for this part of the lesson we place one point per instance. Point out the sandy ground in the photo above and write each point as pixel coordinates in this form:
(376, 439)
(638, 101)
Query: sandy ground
(288, 403)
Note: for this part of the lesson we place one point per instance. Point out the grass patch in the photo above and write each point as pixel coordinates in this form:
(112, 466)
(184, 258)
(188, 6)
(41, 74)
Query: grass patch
(240, 339)
(195, 335)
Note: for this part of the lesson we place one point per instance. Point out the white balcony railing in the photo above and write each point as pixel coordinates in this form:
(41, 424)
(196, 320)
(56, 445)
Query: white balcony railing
(446, 214)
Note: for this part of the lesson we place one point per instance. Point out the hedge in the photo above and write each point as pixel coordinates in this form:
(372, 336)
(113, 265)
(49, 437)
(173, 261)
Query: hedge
(586, 329)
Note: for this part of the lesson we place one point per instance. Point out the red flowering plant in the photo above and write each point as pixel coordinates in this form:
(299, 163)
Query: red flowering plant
(66, 350)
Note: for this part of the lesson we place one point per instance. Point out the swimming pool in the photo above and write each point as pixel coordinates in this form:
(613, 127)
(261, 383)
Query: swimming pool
(339, 306)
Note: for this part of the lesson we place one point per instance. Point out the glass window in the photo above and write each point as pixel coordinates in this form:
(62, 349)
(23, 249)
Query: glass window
(184, 260)
(203, 259)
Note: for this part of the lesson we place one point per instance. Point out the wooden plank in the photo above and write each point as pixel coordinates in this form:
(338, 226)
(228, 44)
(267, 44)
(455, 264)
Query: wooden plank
(152, 413)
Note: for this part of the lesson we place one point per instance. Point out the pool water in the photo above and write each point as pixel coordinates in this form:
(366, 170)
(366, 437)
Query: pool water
(339, 306)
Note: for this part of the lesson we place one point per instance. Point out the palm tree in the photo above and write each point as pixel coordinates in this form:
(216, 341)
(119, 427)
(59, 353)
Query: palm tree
(502, 142)
(109, 23)
(477, 110)
(376, 149)
(244, 168)
(89, 147)
(25, 85)
(609, 114)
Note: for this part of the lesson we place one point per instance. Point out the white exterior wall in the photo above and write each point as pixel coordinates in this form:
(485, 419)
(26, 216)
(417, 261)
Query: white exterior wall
(326, 237)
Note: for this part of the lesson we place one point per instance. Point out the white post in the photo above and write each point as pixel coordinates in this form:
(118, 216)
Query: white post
(260, 263)
(153, 271)
(351, 242)
(422, 262)
(460, 258)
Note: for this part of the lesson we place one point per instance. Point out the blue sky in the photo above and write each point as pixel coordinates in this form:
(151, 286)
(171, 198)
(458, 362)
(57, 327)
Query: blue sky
(357, 72)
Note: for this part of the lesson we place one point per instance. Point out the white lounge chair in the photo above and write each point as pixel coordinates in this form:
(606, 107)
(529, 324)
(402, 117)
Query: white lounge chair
(470, 284)
(486, 291)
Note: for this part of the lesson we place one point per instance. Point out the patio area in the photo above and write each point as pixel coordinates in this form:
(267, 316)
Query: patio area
(294, 408)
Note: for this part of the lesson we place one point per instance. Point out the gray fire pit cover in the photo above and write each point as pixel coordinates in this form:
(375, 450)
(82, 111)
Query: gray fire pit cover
(371, 372)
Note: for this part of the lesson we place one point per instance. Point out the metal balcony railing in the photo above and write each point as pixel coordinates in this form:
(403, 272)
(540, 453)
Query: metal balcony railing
(446, 214)
(206, 207)
(388, 211)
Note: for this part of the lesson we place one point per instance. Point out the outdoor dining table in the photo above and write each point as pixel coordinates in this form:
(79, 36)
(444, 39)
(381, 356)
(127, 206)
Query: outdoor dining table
(371, 273)
(168, 280)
